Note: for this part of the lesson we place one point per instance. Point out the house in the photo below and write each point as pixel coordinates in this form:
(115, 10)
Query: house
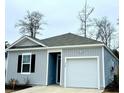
(68, 60)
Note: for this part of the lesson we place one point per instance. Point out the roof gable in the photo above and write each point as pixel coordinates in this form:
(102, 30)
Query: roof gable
(26, 42)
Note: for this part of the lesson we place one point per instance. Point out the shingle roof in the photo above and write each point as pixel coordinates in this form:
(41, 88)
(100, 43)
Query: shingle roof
(68, 39)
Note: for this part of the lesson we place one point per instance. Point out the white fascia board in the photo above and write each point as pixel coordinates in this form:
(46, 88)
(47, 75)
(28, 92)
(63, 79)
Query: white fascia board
(35, 41)
(56, 47)
(111, 52)
(20, 39)
(16, 42)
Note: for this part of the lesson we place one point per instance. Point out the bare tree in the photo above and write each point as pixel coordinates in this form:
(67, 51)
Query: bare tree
(84, 18)
(31, 24)
(104, 30)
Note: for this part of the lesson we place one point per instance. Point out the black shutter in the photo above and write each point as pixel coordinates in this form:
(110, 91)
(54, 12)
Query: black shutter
(33, 63)
(19, 63)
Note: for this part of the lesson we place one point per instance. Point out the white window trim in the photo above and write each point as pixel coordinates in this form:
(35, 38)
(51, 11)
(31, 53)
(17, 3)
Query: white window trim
(26, 63)
(98, 67)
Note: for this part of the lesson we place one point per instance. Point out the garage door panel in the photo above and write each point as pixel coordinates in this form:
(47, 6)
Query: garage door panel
(81, 73)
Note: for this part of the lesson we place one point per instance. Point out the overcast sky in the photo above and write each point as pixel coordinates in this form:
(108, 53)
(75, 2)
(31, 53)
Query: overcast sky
(60, 15)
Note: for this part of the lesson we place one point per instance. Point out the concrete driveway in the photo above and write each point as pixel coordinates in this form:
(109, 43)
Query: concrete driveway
(57, 89)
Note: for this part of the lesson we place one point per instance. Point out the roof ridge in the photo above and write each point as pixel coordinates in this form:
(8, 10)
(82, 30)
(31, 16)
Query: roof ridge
(71, 34)
(56, 36)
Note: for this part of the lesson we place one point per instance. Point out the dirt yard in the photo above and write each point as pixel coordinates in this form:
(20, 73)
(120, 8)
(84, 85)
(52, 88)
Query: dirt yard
(8, 90)
(110, 92)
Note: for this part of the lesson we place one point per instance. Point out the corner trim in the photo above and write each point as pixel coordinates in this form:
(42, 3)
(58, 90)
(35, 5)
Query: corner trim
(103, 66)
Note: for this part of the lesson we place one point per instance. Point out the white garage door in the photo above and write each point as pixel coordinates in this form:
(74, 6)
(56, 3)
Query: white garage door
(82, 72)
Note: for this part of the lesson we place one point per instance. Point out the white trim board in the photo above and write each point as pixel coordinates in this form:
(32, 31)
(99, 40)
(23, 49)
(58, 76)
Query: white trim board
(103, 66)
(16, 42)
(47, 68)
(98, 67)
(57, 69)
(61, 70)
(35, 41)
(24, 38)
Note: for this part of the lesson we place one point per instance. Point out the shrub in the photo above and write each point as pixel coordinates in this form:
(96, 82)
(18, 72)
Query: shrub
(13, 82)
(116, 80)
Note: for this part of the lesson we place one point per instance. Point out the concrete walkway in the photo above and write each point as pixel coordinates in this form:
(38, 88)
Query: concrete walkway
(57, 89)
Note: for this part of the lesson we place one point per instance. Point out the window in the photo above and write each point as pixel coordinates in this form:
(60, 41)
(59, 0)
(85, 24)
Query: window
(26, 63)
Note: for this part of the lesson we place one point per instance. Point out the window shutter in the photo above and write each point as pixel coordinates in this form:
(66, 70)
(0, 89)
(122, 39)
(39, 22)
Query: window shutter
(19, 63)
(33, 63)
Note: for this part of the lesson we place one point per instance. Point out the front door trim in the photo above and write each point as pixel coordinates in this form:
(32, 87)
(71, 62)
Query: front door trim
(57, 69)
(53, 51)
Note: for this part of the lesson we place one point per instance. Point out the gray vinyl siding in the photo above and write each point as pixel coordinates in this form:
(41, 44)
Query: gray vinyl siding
(89, 51)
(39, 77)
(108, 58)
